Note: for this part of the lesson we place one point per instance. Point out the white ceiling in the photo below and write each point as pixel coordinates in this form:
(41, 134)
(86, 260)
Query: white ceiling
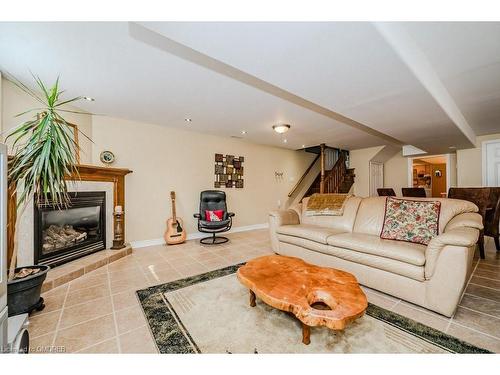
(346, 67)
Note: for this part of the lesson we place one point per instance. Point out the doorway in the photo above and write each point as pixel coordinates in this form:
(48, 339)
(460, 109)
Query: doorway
(491, 163)
(376, 177)
(430, 173)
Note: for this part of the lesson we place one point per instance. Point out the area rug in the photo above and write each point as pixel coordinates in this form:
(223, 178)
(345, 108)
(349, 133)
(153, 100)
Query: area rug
(210, 313)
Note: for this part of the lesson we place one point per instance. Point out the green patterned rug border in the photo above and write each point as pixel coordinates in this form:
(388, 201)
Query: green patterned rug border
(171, 337)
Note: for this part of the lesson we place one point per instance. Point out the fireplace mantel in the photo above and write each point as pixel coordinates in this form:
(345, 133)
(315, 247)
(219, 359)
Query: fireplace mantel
(86, 173)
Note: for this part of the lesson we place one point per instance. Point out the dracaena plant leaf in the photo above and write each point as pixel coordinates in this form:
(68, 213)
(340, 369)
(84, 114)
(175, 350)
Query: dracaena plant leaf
(44, 148)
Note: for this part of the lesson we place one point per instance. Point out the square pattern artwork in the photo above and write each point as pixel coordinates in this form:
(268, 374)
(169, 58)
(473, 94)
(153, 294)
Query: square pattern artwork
(228, 171)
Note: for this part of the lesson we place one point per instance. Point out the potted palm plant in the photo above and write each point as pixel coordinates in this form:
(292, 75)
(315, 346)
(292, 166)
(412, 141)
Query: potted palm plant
(44, 154)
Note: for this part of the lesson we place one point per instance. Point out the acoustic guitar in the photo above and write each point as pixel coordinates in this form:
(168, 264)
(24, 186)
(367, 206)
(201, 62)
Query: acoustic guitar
(175, 232)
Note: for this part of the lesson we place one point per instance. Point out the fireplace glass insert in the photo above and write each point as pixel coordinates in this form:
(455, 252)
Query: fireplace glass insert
(62, 235)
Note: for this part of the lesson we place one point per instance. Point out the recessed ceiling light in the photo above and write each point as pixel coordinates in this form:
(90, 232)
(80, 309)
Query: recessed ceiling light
(452, 147)
(285, 141)
(281, 128)
(303, 146)
(243, 132)
(187, 119)
(88, 98)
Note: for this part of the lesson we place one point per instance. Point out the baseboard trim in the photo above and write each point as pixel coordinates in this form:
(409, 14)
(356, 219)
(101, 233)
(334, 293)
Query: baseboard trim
(195, 236)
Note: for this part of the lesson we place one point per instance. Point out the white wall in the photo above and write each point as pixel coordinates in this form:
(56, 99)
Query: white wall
(396, 173)
(165, 159)
(15, 101)
(360, 161)
(469, 163)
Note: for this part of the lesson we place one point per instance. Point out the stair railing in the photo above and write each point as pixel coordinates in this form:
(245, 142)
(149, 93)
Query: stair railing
(335, 176)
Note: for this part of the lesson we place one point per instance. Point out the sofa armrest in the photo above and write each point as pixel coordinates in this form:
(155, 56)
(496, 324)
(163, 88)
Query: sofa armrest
(277, 219)
(284, 217)
(459, 236)
(467, 219)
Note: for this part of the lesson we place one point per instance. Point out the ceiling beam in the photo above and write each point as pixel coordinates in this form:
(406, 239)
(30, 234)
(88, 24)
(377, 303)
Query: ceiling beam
(418, 63)
(161, 42)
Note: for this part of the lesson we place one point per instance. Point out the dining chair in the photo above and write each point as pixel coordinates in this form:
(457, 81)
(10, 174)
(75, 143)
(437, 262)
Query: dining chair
(481, 198)
(386, 192)
(413, 192)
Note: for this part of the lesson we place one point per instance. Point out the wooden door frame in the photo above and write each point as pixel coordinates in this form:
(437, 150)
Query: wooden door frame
(370, 175)
(448, 164)
(484, 159)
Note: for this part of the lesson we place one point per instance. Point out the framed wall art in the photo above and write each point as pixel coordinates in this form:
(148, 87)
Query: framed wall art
(228, 171)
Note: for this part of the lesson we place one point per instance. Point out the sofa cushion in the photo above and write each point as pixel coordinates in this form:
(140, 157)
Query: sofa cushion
(311, 232)
(410, 220)
(370, 244)
(375, 261)
(303, 243)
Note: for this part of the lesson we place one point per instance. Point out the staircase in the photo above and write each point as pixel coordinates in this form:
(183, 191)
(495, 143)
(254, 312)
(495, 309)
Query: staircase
(339, 179)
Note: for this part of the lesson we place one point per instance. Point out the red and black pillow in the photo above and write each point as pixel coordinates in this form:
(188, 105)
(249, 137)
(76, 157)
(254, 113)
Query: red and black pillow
(215, 215)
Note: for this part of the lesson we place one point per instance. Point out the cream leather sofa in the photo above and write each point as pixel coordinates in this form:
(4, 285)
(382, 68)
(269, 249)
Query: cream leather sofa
(431, 276)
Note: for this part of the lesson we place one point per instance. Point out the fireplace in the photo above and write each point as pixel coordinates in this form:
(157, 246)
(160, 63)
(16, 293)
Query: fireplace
(62, 235)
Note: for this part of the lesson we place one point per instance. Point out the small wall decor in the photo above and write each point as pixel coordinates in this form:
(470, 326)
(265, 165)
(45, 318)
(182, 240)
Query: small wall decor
(228, 171)
(107, 157)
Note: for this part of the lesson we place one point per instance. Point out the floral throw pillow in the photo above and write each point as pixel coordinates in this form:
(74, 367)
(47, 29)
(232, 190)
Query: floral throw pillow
(411, 220)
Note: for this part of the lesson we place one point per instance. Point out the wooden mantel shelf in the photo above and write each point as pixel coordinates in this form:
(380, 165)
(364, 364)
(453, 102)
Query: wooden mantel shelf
(86, 173)
(96, 170)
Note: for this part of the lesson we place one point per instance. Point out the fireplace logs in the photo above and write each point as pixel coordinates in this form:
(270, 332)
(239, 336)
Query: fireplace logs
(57, 237)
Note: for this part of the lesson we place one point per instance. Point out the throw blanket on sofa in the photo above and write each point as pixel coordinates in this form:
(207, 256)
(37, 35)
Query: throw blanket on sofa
(326, 204)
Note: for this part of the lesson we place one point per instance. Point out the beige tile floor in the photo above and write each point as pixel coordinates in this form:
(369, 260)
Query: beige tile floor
(99, 312)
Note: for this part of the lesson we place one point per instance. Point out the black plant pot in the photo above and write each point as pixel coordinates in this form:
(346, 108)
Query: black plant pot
(23, 295)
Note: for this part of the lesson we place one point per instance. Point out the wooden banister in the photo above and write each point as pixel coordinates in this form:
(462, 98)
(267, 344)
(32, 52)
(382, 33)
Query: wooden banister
(334, 177)
(303, 176)
(322, 181)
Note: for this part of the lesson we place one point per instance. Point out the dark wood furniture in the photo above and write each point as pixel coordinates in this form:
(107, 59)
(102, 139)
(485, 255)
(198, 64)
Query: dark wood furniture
(413, 192)
(492, 216)
(481, 198)
(86, 173)
(317, 296)
(386, 192)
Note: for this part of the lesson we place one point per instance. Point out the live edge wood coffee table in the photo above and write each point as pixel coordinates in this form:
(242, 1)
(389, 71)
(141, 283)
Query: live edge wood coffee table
(317, 296)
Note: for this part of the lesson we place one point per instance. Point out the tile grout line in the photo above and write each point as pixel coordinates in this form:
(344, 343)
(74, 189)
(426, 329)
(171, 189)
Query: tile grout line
(118, 343)
(480, 312)
(467, 284)
(94, 344)
(477, 331)
(487, 299)
(395, 304)
(60, 317)
(115, 337)
(487, 278)
(484, 286)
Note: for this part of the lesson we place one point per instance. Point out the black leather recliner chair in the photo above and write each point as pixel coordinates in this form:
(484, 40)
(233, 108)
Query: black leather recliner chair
(213, 200)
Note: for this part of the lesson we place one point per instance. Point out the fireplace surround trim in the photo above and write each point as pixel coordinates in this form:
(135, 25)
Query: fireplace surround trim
(86, 173)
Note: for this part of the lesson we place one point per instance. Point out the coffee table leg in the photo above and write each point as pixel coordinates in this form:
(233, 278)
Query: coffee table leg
(306, 334)
(252, 299)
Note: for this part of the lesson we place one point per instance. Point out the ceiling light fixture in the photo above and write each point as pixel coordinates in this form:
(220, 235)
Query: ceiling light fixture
(285, 140)
(281, 128)
(243, 132)
(88, 98)
(452, 147)
(187, 119)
